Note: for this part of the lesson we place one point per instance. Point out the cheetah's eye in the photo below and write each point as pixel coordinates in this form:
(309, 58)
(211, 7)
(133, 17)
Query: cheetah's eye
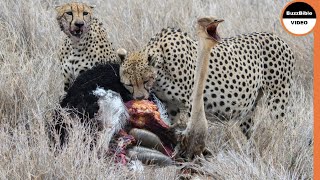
(69, 13)
(145, 82)
(130, 85)
(85, 13)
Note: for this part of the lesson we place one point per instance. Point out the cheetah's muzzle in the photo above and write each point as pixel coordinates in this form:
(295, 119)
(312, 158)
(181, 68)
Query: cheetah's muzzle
(77, 33)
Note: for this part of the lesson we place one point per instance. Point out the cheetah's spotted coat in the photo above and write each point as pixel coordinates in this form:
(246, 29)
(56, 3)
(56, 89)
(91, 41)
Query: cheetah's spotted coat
(86, 44)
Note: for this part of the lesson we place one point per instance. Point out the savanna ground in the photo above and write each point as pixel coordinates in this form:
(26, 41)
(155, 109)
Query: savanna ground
(31, 84)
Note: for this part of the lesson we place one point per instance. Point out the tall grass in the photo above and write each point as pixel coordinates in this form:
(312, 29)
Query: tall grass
(31, 85)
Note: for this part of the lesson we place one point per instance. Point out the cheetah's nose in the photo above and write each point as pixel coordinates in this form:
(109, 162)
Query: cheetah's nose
(79, 24)
(140, 97)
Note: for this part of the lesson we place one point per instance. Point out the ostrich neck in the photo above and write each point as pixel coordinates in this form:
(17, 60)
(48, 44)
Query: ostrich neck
(200, 76)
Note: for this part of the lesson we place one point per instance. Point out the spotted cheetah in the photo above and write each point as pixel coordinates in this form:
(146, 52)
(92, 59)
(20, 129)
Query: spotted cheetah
(86, 44)
(241, 70)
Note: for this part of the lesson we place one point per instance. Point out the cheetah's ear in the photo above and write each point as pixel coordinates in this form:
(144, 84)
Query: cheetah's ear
(58, 8)
(122, 53)
(59, 11)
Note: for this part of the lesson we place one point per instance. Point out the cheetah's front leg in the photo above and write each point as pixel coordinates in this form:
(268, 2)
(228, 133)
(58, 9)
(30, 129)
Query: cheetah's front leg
(68, 76)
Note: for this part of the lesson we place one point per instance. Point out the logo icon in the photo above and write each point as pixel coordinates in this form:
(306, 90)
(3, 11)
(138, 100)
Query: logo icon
(298, 18)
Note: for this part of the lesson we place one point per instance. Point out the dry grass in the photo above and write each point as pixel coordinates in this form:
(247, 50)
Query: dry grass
(30, 86)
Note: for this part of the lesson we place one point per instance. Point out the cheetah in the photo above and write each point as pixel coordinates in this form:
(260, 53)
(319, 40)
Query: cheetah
(192, 139)
(86, 43)
(241, 70)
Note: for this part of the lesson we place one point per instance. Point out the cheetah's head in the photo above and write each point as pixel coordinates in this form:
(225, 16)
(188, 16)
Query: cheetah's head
(74, 19)
(137, 74)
